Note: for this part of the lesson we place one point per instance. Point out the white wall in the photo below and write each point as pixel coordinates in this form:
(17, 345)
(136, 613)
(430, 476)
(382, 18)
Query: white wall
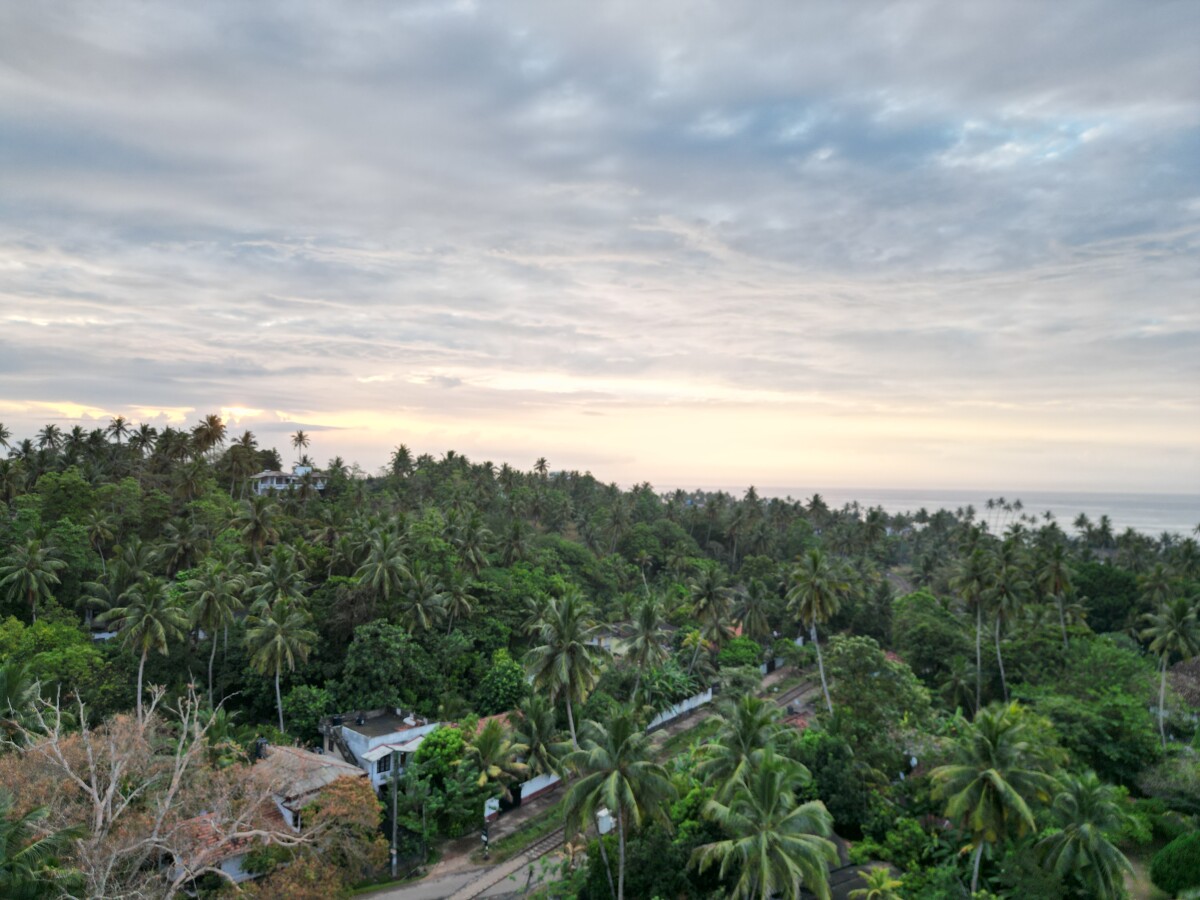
(683, 706)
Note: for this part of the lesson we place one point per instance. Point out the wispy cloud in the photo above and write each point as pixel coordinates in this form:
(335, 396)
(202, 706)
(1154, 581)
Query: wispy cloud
(855, 244)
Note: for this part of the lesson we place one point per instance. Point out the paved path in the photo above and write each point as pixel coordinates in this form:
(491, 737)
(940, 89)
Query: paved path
(497, 874)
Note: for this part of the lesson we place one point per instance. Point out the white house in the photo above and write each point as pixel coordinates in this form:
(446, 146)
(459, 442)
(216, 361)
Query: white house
(368, 739)
(267, 482)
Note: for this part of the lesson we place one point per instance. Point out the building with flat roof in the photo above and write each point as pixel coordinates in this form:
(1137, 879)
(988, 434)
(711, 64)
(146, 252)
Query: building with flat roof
(369, 738)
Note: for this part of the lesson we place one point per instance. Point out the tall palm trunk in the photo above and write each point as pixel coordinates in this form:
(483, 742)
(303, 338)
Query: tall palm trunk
(571, 723)
(33, 605)
(821, 667)
(1000, 661)
(1062, 619)
(607, 867)
(975, 868)
(141, 669)
(1162, 703)
(279, 698)
(211, 656)
(978, 654)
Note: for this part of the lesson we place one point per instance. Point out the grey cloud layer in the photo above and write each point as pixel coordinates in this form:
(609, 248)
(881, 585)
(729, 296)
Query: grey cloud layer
(862, 205)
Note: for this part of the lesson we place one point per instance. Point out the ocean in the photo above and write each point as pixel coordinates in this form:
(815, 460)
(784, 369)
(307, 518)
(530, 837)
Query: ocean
(1148, 513)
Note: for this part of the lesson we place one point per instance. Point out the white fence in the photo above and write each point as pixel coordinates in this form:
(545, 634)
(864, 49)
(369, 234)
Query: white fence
(679, 709)
(529, 790)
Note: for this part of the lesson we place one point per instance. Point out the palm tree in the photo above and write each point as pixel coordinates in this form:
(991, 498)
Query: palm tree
(616, 773)
(458, 601)
(1087, 811)
(277, 636)
(564, 661)
(5, 434)
(99, 527)
(1007, 594)
(281, 579)
(1171, 631)
(541, 466)
(50, 437)
(118, 427)
(998, 771)
(255, 522)
(29, 854)
(880, 885)
(775, 846)
(385, 569)
(749, 727)
(150, 620)
(183, 546)
(299, 441)
(29, 572)
(212, 601)
(498, 757)
(644, 647)
(710, 595)
(18, 692)
(752, 611)
(536, 727)
(423, 602)
(814, 598)
(1054, 577)
(970, 581)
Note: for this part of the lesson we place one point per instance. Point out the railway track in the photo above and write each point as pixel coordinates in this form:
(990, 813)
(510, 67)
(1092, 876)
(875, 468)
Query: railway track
(497, 874)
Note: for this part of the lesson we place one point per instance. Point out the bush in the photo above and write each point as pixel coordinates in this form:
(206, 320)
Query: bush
(741, 651)
(1176, 866)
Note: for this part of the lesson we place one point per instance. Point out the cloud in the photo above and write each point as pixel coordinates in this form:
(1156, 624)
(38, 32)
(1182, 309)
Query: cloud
(460, 219)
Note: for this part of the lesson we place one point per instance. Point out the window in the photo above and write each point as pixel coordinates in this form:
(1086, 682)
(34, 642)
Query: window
(383, 765)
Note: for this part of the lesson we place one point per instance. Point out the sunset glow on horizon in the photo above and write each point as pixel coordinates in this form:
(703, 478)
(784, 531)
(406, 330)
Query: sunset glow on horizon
(843, 246)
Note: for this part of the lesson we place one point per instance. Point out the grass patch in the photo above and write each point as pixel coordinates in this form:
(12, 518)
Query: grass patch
(677, 743)
(524, 837)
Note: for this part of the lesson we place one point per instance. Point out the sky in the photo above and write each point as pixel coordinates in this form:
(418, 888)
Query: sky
(923, 244)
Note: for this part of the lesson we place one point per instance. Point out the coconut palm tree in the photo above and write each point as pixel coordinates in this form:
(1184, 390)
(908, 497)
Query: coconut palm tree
(1173, 630)
(100, 531)
(752, 611)
(280, 579)
(255, 522)
(212, 600)
(814, 598)
(149, 620)
(749, 727)
(997, 774)
(775, 846)
(118, 427)
(499, 758)
(880, 885)
(1054, 577)
(5, 434)
(279, 636)
(423, 601)
(29, 572)
(29, 854)
(564, 662)
(535, 726)
(644, 647)
(385, 569)
(182, 547)
(970, 581)
(300, 441)
(616, 772)
(1087, 812)
(18, 693)
(1006, 595)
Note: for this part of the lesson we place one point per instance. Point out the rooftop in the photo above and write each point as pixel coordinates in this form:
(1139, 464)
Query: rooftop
(381, 722)
(297, 773)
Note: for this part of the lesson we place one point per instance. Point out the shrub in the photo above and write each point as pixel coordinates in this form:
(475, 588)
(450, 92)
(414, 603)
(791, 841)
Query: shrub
(1176, 866)
(741, 651)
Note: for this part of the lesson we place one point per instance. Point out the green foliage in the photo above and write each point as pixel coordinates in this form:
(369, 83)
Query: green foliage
(1176, 867)
(838, 779)
(1175, 781)
(1109, 593)
(503, 687)
(741, 651)
(386, 667)
(874, 697)
(64, 495)
(303, 707)
(927, 635)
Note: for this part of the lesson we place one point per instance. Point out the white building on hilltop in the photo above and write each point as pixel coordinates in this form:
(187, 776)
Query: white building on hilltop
(267, 482)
